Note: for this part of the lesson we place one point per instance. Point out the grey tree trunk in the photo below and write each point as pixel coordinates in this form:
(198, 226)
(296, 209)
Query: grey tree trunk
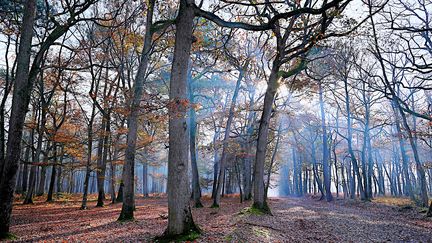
(103, 162)
(325, 152)
(89, 158)
(216, 200)
(381, 179)
(53, 176)
(20, 101)
(113, 171)
(145, 180)
(247, 161)
(129, 165)
(26, 162)
(59, 174)
(429, 213)
(36, 159)
(405, 159)
(42, 179)
(272, 161)
(273, 83)
(196, 189)
(336, 180)
(100, 171)
(424, 200)
(180, 219)
(354, 161)
(315, 171)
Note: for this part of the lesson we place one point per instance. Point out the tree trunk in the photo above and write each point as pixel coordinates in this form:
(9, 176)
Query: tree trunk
(145, 179)
(405, 159)
(381, 179)
(100, 171)
(315, 170)
(424, 200)
(59, 173)
(114, 170)
(112, 181)
(239, 184)
(26, 162)
(225, 142)
(42, 179)
(53, 176)
(129, 166)
(215, 163)
(247, 160)
(120, 192)
(21, 97)
(355, 166)
(89, 159)
(36, 159)
(247, 174)
(326, 167)
(103, 161)
(18, 188)
(429, 213)
(180, 219)
(336, 181)
(272, 161)
(196, 189)
(272, 86)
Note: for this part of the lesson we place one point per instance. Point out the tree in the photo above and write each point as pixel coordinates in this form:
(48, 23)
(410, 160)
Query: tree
(21, 99)
(180, 219)
(242, 68)
(128, 176)
(424, 200)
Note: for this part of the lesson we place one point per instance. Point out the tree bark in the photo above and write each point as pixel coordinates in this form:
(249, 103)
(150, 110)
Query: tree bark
(53, 176)
(272, 161)
(20, 101)
(215, 162)
(424, 199)
(247, 160)
(36, 159)
(356, 169)
(429, 213)
(325, 152)
(89, 158)
(26, 162)
(405, 159)
(180, 219)
(196, 189)
(42, 179)
(114, 170)
(145, 179)
(103, 161)
(129, 166)
(272, 86)
(216, 200)
(316, 173)
(59, 173)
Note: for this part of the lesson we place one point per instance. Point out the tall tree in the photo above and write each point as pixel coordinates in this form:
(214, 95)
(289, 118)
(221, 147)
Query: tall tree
(132, 122)
(21, 98)
(180, 219)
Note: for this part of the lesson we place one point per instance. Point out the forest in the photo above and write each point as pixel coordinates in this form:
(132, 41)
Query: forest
(216, 120)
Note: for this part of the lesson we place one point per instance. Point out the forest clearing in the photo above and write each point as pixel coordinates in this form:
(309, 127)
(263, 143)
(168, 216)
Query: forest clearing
(383, 220)
(216, 120)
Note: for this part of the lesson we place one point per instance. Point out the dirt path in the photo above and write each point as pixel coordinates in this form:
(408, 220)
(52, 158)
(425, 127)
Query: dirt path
(309, 220)
(294, 220)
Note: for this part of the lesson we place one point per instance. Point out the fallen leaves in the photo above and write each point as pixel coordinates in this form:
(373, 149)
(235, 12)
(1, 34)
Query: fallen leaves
(295, 219)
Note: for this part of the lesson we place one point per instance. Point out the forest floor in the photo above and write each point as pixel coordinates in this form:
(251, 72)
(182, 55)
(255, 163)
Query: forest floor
(294, 220)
